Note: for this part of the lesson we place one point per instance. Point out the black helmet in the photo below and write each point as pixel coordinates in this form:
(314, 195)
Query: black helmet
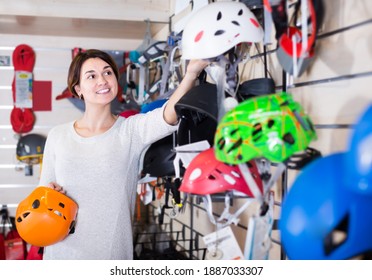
(197, 111)
(255, 88)
(158, 159)
(30, 148)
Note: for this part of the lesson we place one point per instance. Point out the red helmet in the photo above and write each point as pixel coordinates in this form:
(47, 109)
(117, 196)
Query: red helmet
(45, 217)
(206, 175)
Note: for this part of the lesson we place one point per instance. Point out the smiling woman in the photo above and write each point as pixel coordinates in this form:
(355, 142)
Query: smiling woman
(95, 159)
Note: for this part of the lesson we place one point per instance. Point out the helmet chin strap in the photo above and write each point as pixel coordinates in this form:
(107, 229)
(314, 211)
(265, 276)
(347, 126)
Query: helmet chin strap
(218, 75)
(224, 72)
(228, 218)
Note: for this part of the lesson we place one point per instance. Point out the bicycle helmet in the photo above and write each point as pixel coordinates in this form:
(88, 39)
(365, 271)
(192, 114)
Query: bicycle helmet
(30, 148)
(45, 217)
(292, 46)
(321, 218)
(206, 175)
(272, 126)
(358, 160)
(197, 111)
(158, 159)
(299, 160)
(255, 87)
(216, 28)
(128, 113)
(147, 107)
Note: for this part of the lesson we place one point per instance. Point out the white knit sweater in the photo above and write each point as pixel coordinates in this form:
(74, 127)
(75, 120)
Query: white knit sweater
(100, 173)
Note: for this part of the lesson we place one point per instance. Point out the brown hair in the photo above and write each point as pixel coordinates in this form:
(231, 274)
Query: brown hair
(73, 78)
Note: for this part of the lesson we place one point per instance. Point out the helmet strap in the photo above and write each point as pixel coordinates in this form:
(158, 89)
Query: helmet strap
(280, 168)
(218, 74)
(250, 181)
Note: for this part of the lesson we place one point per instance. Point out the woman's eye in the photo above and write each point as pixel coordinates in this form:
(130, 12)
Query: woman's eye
(108, 73)
(90, 77)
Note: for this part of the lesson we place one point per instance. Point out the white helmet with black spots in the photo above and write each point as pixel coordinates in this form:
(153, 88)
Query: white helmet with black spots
(217, 27)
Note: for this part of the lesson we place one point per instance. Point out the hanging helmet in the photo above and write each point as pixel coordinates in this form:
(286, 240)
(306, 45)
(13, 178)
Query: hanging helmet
(358, 160)
(153, 105)
(158, 159)
(291, 45)
(272, 126)
(206, 175)
(255, 87)
(321, 218)
(128, 113)
(45, 217)
(30, 148)
(217, 27)
(299, 160)
(197, 111)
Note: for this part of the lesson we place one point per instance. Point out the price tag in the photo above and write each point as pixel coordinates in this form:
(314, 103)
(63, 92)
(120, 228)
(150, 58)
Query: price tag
(23, 89)
(222, 245)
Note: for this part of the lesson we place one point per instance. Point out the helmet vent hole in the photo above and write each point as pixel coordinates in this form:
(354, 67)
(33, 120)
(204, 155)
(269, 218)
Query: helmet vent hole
(219, 15)
(36, 204)
(235, 22)
(211, 177)
(61, 205)
(25, 214)
(236, 145)
(337, 236)
(288, 138)
(219, 32)
(221, 143)
(285, 103)
(270, 123)
(240, 12)
(257, 132)
(72, 227)
(19, 219)
(234, 131)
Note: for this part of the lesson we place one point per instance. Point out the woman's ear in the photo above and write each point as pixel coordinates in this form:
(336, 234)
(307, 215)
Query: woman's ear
(77, 89)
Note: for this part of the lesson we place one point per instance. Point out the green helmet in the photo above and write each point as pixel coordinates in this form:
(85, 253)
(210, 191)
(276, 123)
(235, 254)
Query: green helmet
(272, 126)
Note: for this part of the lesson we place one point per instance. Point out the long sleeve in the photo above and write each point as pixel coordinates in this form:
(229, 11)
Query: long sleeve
(49, 158)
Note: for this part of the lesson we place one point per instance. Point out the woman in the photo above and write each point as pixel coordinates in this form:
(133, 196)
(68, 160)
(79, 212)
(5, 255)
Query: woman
(96, 158)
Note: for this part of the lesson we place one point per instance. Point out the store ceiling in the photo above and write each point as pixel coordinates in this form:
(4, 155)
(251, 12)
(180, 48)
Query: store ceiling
(126, 19)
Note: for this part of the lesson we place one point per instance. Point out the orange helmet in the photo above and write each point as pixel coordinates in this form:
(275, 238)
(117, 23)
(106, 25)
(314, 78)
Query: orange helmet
(45, 217)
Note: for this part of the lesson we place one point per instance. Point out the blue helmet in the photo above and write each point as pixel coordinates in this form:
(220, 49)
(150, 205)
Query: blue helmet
(321, 218)
(153, 105)
(358, 160)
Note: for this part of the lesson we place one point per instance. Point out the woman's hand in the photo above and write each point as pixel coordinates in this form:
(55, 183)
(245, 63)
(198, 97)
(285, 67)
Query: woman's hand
(55, 186)
(195, 66)
(188, 81)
